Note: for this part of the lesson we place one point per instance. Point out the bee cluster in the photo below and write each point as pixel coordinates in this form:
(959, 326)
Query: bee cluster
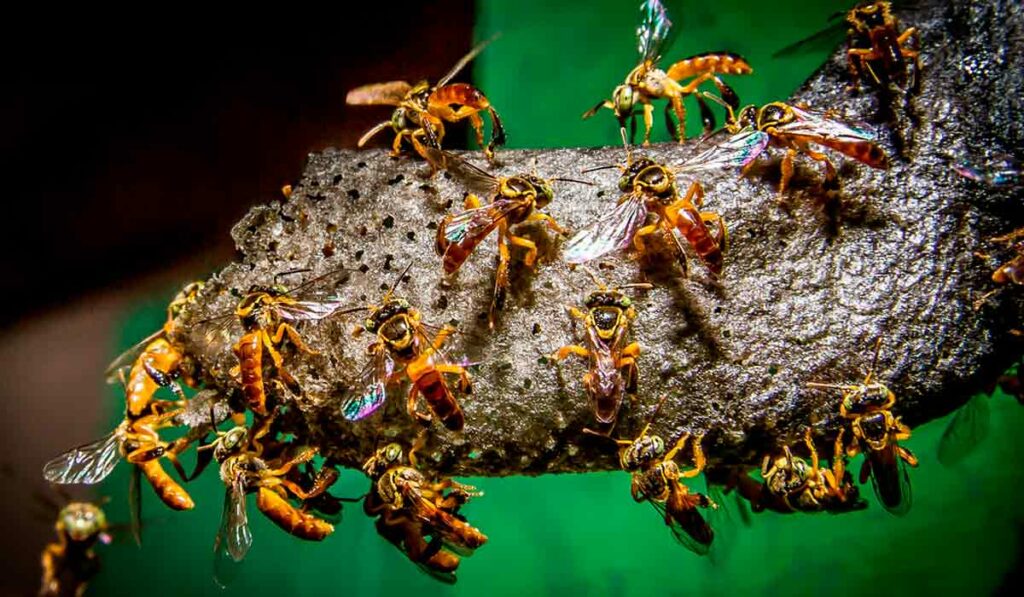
(415, 510)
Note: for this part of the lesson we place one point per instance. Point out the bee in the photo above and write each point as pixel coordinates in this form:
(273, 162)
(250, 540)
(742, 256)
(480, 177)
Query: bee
(137, 442)
(647, 82)
(791, 485)
(651, 187)
(656, 480)
(791, 128)
(70, 562)
(875, 46)
(244, 469)
(877, 433)
(157, 361)
(422, 109)
(403, 339)
(613, 371)
(999, 171)
(269, 314)
(411, 508)
(513, 200)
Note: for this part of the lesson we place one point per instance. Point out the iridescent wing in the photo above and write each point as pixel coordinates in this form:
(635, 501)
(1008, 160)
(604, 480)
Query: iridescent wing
(965, 431)
(822, 41)
(654, 34)
(375, 376)
(234, 537)
(390, 93)
(295, 311)
(611, 232)
(855, 141)
(466, 229)
(127, 358)
(475, 179)
(737, 151)
(87, 464)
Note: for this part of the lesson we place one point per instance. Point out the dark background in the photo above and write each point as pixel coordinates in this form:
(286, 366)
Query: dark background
(129, 145)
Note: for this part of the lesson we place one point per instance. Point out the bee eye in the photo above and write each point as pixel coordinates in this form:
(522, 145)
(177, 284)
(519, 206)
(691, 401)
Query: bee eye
(368, 324)
(403, 304)
(625, 302)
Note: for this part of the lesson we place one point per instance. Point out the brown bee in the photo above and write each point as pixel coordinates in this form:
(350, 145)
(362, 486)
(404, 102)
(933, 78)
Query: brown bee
(422, 109)
(244, 469)
(157, 361)
(410, 508)
(513, 200)
(647, 82)
(651, 187)
(70, 563)
(138, 442)
(613, 372)
(877, 433)
(656, 480)
(791, 128)
(402, 339)
(1010, 271)
(790, 485)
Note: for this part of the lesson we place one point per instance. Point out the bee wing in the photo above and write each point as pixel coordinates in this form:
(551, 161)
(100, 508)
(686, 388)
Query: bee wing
(307, 310)
(234, 537)
(461, 64)
(890, 479)
(466, 229)
(737, 151)
(818, 127)
(374, 382)
(610, 232)
(688, 526)
(654, 34)
(135, 504)
(127, 358)
(475, 178)
(390, 93)
(965, 431)
(86, 464)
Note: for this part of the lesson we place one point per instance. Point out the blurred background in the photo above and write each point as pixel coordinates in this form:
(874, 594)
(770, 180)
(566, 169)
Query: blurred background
(130, 149)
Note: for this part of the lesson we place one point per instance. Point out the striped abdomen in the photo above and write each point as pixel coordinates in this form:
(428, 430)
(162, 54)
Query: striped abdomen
(165, 487)
(160, 356)
(725, 63)
(440, 399)
(249, 351)
(301, 524)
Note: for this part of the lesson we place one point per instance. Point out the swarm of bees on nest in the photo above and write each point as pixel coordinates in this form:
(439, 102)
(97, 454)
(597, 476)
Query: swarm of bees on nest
(421, 515)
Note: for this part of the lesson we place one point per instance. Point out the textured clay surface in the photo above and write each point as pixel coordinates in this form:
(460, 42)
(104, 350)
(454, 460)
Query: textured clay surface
(808, 286)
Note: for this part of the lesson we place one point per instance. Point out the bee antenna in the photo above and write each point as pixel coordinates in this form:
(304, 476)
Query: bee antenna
(596, 168)
(398, 280)
(621, 442)
(874, 360)
(586, 182)
(290, 272)
(625, 144)
(593, 276)
(654, 415)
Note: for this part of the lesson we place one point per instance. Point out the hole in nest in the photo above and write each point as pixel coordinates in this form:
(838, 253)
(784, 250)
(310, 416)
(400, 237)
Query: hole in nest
(328, 250)
(361, 165)
(384, 287)
(717, 309)
(726, 334)
(387, 262)
(362, 231)
(600, 193)
(272, 246)
(410, 235)
(772, 370)
(427, 188)
(353, 194)
(431, 225)
(536, 329)
(396, 180)
(481, 316)
(362, 298)
(448, 204)
(336, 180)
(364, 268)
(389, 222)
(527, 383)
(359, 254)
(331, 228)
(442, 303)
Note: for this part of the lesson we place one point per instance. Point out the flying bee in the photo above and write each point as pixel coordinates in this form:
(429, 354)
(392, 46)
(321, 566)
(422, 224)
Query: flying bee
(646, 82)
(656, 480)
(651, 187)
(269, 314)
(70, 563)
(244, 469)
(411, 508)
(877, 433)
(514, 200)
(791, 128)
(613, 372)
(998, 171)
(791, 485)
(137, 442)
(403, 339)
(422, 109)
(157, 361)
(875, 46)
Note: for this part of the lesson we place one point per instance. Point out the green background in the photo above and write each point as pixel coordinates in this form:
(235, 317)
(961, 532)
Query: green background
(583, 533)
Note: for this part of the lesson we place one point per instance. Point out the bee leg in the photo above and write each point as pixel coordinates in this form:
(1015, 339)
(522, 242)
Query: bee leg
(500, 282)
(423, 418)
(294, 336)
(648, 122)
(907, 456)
(531, 248)
(699, 461)
(679, 445)
(569, 349)
(465, 383)
(680, 111)
(831, 178)
(787, 172)
(548, 221)
(417, 445)
(275, 356)
(471, 201)
(396, 144)
(839, 459)
(980, 302)
(815, 461)
(478, 130)
(638, 241)
(865, 471)
(719, 231)
(597, 108)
